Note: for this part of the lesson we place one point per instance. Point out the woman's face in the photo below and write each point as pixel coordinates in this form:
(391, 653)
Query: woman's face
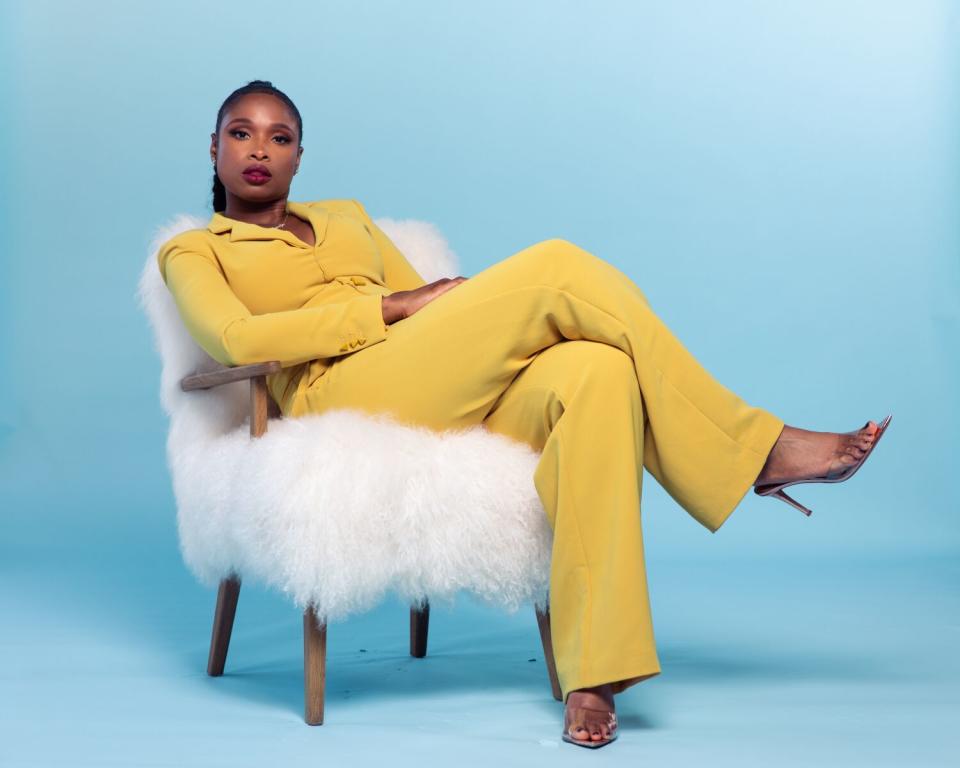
(258, 150)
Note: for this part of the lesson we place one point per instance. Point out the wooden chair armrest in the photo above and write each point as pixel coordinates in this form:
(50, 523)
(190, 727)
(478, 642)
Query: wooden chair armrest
(262, 406)
(227, 375)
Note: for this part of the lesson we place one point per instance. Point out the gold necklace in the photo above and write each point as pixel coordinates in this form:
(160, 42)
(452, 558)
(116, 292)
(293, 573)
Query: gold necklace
(283, 223)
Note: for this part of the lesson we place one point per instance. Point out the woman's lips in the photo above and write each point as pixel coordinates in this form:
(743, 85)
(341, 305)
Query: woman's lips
(256, 177)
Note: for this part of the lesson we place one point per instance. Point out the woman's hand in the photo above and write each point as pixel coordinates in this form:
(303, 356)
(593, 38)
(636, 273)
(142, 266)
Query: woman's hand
(401, 304)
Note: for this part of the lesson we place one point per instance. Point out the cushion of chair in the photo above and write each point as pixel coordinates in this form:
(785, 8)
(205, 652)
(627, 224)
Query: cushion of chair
(338, 509)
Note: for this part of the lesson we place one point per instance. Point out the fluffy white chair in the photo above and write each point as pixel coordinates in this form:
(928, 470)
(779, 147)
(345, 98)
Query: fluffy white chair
(335, 509)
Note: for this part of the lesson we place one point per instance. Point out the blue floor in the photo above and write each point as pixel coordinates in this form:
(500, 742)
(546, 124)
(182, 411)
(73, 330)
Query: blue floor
(776, 662)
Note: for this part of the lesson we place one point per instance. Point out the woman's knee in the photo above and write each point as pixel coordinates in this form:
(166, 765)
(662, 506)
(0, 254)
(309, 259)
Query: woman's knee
(572, 256)
(606, 377)
(558, 248)
(555, 256)
(598, 361)
(609, 361)
(560, 262)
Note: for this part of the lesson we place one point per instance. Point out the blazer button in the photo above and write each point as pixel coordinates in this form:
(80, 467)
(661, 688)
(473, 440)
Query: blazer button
(358, 281)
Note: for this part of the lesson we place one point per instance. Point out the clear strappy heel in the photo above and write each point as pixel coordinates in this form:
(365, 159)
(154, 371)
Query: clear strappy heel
(576, 717)
(776, 489)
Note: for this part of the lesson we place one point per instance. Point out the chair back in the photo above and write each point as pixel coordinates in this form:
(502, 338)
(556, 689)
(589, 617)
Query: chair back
(448, 511)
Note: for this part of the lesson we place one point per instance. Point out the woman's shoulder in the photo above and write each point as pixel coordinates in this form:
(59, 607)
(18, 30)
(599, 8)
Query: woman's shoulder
(194, 239)
(343, 205)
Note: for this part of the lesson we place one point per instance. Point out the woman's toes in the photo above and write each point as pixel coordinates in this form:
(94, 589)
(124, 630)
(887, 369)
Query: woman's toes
(593, 733)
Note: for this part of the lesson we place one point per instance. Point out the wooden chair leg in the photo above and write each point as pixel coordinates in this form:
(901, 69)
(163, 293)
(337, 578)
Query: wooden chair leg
(419, 624)
(314, 666)
(227, 598)
(543, 621)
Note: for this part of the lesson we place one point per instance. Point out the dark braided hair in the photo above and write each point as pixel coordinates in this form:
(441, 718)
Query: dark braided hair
(254, 86)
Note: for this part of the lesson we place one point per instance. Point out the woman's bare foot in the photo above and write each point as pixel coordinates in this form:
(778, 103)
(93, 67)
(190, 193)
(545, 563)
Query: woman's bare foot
(801, 454)
(597, 727)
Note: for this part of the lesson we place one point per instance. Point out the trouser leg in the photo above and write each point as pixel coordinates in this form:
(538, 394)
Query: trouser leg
(446, 365)
(578, 403)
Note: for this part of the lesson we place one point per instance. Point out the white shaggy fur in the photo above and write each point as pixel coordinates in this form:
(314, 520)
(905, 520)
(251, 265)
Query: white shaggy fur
(336, 508)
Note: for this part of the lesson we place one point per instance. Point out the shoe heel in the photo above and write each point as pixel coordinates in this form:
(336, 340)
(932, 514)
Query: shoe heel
(780, 494)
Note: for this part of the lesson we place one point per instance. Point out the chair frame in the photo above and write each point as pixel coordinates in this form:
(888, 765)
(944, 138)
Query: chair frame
(262, 409)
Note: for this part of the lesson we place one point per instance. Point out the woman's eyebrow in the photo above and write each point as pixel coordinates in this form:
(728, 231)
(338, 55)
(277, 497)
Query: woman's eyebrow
(248, 121)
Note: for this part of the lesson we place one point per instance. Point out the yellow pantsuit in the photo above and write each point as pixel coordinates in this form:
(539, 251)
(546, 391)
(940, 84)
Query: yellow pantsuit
(551, 346)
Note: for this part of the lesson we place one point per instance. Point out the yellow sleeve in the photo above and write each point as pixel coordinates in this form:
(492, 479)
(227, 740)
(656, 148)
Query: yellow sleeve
(227, 331)
(398, 273)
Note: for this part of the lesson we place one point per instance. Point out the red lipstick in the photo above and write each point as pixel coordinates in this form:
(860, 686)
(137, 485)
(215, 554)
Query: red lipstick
(257, 174)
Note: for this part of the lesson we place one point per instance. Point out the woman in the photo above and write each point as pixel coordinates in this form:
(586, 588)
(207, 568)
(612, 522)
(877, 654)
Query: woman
(551, 346)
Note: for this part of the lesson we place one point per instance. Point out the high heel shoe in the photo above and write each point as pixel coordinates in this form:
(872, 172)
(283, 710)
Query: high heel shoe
(776, 489)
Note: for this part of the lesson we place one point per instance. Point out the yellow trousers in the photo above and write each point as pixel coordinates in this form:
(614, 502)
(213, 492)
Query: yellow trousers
(557, 348)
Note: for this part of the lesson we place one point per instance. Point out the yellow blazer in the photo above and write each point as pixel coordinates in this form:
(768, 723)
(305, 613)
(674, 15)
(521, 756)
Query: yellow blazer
(248, 293)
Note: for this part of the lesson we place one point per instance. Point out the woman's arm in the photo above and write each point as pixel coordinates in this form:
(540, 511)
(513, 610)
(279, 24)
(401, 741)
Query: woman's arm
(223, 326)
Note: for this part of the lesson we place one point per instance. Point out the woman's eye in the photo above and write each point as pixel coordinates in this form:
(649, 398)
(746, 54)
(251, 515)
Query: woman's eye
(236, 131)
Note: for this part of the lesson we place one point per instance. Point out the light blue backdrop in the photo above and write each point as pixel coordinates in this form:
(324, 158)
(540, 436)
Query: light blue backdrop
(781, 179)
(782, 183)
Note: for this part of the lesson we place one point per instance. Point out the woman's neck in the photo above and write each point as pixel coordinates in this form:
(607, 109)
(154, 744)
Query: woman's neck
(268, 214)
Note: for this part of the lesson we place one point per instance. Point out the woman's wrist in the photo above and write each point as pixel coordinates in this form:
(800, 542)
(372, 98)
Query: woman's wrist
(390, 310)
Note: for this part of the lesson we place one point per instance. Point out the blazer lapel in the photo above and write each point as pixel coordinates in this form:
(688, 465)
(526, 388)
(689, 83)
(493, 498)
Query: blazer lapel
(242, 230)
